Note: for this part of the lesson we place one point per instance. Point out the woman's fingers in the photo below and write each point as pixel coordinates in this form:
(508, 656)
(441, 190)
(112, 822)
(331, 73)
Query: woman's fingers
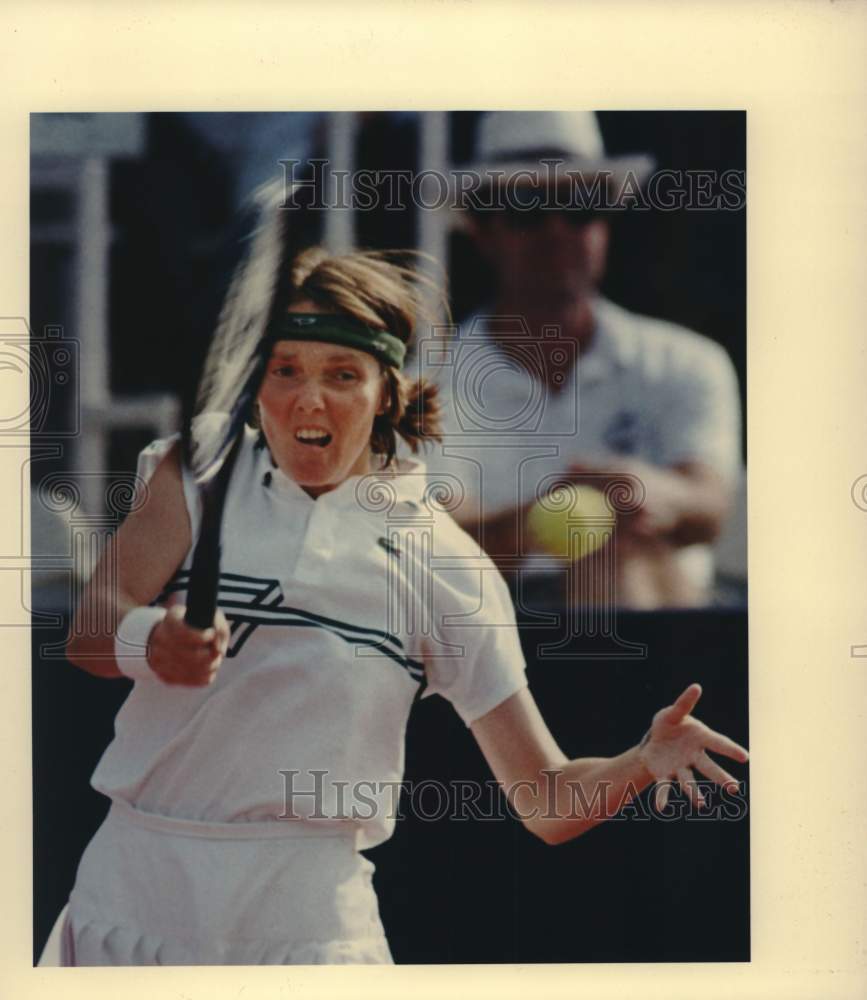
(684, 705)
(687, 782)
(188, 656)
(198, 675)
(710, 769)
(684, 776)
(661, 796)
(181, 634)
(221, 626)
(204, 656)
(182, 652)
(722, 744)
(185, 656)
(221, 633)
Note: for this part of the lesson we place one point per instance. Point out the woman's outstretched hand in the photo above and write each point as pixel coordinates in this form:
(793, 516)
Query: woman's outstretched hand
(676, 743)
(180, 654)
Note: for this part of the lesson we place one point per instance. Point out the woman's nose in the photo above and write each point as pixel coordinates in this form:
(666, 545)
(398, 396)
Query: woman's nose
(309, 396)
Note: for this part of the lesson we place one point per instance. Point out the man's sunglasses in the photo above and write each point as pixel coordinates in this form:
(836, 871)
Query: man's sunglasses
(536, 217)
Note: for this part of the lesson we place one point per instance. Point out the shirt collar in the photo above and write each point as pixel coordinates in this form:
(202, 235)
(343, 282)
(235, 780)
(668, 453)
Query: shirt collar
(613, 346)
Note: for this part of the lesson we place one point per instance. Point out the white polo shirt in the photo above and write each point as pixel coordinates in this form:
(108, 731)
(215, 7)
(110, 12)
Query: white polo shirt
(645, 388)
(342, 609)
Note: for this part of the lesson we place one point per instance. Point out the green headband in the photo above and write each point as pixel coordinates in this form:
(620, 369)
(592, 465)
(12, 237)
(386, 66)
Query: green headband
(337, 329)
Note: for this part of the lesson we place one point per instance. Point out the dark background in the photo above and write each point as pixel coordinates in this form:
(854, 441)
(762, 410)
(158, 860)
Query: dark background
(449, 891)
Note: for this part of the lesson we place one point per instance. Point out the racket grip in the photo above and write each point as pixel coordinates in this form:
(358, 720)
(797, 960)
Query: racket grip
(204, 585)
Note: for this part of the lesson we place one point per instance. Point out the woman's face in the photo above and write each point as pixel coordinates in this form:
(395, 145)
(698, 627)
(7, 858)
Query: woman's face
(316, 406)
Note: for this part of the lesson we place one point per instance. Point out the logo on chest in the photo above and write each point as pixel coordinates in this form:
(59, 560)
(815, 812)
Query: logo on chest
(622, 433)
(389, 546)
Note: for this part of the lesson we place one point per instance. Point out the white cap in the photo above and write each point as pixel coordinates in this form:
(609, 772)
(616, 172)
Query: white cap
(510, 135)
(512, 141)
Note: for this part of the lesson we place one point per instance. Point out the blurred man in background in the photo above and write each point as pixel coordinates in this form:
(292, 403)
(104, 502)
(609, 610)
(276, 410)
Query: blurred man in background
(552, 380)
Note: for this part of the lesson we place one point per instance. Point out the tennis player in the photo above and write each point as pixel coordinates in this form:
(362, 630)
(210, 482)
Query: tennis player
(254, 759)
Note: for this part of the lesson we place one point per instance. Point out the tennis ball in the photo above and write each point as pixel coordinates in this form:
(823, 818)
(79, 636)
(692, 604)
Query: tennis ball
(571, 522)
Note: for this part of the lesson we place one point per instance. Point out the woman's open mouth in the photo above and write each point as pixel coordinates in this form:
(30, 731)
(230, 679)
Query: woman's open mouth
(313, 436)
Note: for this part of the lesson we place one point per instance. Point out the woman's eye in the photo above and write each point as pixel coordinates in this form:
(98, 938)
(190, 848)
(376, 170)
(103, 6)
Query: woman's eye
(284, 371)
(346, 375)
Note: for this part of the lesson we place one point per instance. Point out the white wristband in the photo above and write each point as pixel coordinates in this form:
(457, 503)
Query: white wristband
(131, 641)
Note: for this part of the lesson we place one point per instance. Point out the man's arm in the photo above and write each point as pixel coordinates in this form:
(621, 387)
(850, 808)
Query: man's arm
(683, 505)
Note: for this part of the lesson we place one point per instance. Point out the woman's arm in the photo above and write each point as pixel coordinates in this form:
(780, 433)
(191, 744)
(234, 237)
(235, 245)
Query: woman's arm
(558, 799)
(132, 570)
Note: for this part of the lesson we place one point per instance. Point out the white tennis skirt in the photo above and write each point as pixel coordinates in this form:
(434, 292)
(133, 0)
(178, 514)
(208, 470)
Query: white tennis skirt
(153, 890)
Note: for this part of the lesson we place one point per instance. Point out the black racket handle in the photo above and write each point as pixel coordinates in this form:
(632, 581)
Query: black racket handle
(204, 586)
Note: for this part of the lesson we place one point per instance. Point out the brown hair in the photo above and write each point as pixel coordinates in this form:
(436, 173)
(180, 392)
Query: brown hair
(375, 288)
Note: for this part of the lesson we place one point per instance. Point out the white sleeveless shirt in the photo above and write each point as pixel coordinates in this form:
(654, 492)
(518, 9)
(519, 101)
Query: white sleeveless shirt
(342, 609)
